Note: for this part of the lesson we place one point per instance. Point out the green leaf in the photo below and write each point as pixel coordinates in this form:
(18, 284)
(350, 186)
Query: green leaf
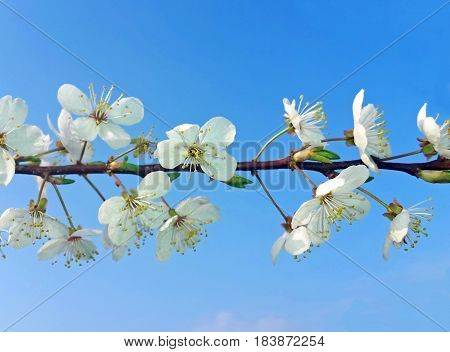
(173, 176)
(238, 182)
(61, 181)
(129, 167)
(318, 157)
(33, 159)
(96, 163)
(369, 179)
(328, 154)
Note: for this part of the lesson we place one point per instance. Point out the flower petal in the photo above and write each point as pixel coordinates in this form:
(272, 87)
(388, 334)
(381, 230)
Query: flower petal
(155, 216)
(304, 214)
(87, 232)
(154, 185)
(7, 167)
(319, 227)
(386, 247)
(278, 246)
(170, 153)
(74, 100)
(164, 241)
(12, 113)
(218, 164)
(10, 217)
(185, 134)
(205, 214)
(110, 210)
(54, 228)
(28, 140)
(298, 241)
(347, 180)
(114, 135)
(399, 226)
(421, 117)
(52, 248)
(357, 105)
(85, 128)
(431, 130)
(218, 131)
(188, 206)
(126, 111)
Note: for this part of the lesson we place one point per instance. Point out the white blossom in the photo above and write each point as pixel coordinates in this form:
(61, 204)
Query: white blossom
(118, 251)
(25, 226)
(99, 116)
(69, 139)
(335, 199)
(307, 121)
(406, 227)
(369, 134)
(132, 214)
(16, 138)
(183, 229)
(76, 246)
(437, 135)
(189, 145)
(294, 242)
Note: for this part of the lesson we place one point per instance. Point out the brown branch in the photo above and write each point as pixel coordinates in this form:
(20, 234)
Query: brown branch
(142, 170)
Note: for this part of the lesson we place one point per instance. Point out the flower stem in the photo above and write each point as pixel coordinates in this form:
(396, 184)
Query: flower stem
(311, 182)
(165, 202)
(118, 156)
(286, 219)
(373, 196)
(94, 187)
(403, 155)
(336, 139)
(118, 182)
(270, 141)
(82, 152)
(41, 189)
(68, 216)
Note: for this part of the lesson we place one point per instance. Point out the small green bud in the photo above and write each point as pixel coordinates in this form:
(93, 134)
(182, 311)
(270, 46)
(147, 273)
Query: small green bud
(434, 176)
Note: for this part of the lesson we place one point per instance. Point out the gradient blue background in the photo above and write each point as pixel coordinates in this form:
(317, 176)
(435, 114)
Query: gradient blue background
(192, 60)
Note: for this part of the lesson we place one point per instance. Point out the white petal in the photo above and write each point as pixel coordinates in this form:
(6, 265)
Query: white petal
(7, 167)
(164, 242)
(118, 252)
(155, 216)
(74, 100)
(386, 246)
(399, 226)
(278, 246)
(218, 131)
(289, 107)
(27, 140)
(360, 137)
(218, 164)
(319, 227)
(298, 241)
(126, 111)
(205, 214)
(154, 185)
(312, 136)
(10, 217)
(170, 153)
(85, 128)
(186, 134)
(304, 214)
(122, 232)
(110, 210)
(355, 205)
(188, 206)
(54, 229)
(52, 248)
(87, 232)
(368, 161)
(421, 117)
(12, 113)
(347, 180)
(431, 130)
(114, 135)
(357, 105)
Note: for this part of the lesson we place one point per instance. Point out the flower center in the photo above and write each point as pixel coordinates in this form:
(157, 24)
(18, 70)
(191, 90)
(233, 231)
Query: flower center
(74, 238)
(195, 155)
(99, 115)
(2, 140)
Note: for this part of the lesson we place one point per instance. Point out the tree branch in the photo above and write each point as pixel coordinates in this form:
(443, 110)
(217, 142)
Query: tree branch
(142, 170)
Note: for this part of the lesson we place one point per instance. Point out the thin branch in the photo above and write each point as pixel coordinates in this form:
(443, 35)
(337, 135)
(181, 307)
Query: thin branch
(285, 163)
(403, 155)
(82, 152)
(69, 217)
(117, 180)
(94, 187)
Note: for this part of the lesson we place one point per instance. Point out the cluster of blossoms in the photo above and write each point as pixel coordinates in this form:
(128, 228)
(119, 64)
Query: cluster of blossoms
(130, 217)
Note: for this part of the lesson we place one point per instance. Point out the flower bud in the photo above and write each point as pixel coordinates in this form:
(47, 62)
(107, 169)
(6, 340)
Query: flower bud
(434, 176)
(350, 142)
(303, 155)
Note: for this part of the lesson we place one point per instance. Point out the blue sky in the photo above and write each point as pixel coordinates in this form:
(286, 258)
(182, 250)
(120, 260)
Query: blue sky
(190, 61)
